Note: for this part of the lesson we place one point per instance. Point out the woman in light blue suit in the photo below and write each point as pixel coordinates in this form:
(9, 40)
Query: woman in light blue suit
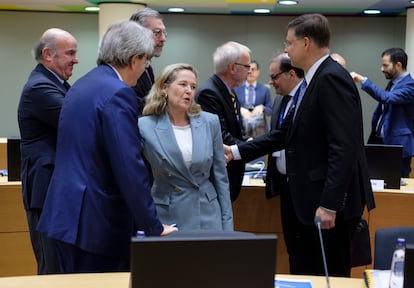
(185, 149)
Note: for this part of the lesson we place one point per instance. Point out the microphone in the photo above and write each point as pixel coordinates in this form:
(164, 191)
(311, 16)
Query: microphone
(318, 224)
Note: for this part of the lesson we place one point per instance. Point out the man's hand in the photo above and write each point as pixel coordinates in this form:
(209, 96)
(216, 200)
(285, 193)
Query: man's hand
(258, 110)
(168, 229)
(327, 218)
(246, 114)
(227, 153)
(358, 78)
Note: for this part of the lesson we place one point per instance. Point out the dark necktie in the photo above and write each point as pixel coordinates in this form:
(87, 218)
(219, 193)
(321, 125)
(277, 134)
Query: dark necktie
(291, 113)
(67, 85)
(378, 130)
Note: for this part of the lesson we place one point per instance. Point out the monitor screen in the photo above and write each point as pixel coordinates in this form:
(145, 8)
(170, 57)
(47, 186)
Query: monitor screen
(384, 163)
(409, 266)
(204, 259)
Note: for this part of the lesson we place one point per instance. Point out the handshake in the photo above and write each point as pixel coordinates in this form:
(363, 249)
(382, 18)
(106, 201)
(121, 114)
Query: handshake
(228, 155)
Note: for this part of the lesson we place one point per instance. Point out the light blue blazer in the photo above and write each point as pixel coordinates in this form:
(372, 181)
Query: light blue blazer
(197, 197)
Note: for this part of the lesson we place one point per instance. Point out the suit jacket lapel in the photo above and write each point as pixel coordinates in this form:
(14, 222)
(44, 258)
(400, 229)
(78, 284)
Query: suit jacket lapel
(198, 131)
(305, 100)
(276, 112)
(224, 92)
(168, 143)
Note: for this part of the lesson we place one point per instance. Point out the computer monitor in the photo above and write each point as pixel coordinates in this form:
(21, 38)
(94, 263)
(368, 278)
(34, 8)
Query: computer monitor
(384, 163)
(204, 259)
(13, 159)
(409, 266)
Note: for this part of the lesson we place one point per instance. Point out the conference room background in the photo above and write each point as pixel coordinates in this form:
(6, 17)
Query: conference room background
(191, 39)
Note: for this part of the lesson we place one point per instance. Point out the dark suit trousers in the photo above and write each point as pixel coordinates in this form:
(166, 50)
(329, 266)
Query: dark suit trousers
(44, 247)
(303, 244)
(72, 259)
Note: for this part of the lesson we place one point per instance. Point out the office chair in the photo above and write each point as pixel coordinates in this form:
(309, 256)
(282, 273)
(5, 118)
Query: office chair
(385, 240)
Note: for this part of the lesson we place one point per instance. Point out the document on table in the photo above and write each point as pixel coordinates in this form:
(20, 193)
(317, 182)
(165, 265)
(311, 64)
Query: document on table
(292, 283)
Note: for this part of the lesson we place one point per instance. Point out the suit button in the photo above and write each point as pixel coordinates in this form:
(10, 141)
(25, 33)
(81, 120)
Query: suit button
(196, 187)
(177, 189)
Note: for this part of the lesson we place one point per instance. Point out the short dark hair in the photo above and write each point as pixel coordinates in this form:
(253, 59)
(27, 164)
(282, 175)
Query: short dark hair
(286, 66)
(314, 26)
(255, 62)
(397, 55)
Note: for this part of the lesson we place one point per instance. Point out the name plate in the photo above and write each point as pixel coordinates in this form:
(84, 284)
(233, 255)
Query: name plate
(377, 184)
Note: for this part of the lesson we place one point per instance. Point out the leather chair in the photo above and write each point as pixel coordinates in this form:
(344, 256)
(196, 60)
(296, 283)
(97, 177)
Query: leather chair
(385, 240)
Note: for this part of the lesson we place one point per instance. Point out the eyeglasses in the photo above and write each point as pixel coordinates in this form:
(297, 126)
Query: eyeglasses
(288, 43)
(158, 32)
(245, 65)
(275, 76)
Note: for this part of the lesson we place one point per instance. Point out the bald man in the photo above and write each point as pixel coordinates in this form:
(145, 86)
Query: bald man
(38, 115)
(338, 58)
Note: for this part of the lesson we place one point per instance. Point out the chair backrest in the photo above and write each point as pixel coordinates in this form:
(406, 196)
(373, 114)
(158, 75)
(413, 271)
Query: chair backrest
(385, 240)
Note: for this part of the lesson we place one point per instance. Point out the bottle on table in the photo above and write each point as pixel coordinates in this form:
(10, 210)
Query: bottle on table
(397, 265)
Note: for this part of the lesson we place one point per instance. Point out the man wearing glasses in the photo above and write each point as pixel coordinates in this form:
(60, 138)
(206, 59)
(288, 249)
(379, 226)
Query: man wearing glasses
(152, 20)
(286, 80)
(216, 95)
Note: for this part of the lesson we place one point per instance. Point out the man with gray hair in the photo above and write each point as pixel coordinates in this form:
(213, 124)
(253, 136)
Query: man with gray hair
(216, 95)
(152, 20)
(38, 116)
(99, 189)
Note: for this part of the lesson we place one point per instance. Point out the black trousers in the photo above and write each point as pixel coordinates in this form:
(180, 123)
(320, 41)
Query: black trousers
(44, 248)
(303, 243)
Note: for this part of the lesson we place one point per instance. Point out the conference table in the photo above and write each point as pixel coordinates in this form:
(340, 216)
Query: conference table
(121, 279)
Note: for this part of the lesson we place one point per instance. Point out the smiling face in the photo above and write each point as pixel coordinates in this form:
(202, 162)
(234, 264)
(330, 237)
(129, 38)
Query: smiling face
(388, 68)
(62, 59)
(180, 92)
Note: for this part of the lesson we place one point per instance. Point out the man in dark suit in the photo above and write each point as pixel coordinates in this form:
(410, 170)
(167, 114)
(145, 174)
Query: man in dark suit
(38, 115)
(286, 80)
(152, 20)
(216, 95)
(255, 103)
(393, 119)
(326, 168)
(99, 189)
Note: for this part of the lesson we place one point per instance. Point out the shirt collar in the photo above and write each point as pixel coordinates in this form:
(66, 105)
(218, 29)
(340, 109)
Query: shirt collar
(312, 70)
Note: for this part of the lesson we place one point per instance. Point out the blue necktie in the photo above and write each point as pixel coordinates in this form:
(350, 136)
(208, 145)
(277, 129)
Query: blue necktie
(250, 95)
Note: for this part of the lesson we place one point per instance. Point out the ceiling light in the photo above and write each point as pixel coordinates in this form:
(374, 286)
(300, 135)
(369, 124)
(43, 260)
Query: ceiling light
(287, 2)
(412, 1)
(372, 11)
(261, 11)
(92, 8)
(175, 9)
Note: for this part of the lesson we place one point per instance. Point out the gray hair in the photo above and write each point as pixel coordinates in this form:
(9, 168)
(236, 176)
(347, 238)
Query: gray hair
(228, 53)
(141, 15)
(122, 41)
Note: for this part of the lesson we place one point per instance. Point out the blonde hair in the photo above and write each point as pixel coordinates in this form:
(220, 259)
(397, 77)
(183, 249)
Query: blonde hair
(156, 101)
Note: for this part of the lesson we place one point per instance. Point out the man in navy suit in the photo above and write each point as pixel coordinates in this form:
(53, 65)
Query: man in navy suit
(393, 119)
(255, 103)
(216, 95)
(99, 190)
(38, 115)
(152, 20)
(326, 167)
